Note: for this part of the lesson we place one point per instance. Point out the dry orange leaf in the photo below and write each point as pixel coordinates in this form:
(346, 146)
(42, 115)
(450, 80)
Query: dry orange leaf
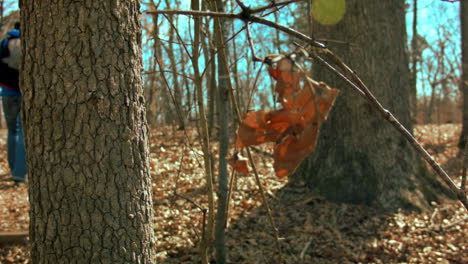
(253, 130)
(260, 126)
(239, 163)
(294, 129)
(287, 77)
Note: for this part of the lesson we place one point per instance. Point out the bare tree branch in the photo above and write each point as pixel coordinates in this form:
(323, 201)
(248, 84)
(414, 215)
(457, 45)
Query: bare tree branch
(465, 164)
(274, 5)
(251, 44)
(161, 71)
(246, 16)
(192, 13)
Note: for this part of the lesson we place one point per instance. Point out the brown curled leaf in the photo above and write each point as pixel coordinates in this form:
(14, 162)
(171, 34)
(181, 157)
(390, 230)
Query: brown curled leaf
(295, 128)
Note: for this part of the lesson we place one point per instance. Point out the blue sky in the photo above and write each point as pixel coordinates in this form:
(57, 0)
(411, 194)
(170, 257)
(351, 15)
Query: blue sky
(10, 5)
(432, 15)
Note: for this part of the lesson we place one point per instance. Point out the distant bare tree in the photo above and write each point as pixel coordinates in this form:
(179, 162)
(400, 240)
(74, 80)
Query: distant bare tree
(414, 63)
(464, 80)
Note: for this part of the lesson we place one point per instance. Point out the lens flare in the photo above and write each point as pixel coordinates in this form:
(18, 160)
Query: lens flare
(328, 12)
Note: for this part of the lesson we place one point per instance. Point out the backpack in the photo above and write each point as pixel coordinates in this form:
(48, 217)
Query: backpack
(4, 51)
(9, 75)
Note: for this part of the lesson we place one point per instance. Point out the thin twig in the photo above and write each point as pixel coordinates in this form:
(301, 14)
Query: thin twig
(278, 8)
(242, 5)
(161, 71)
(465, 164)
(287, 30)
(177, 107)
(273, 4)
(217, 50)
(266, 204)
(252, 48)
(306, 246)
(229, 198)
(191, 201)
(259, 151)
(254, 88)
(192, 13)
(245, 17)
(173, 42)
(455, 223)
(179, 171)
(202, 209)
(178, 111)
(440, 227)
(339, 74)
(179, 37)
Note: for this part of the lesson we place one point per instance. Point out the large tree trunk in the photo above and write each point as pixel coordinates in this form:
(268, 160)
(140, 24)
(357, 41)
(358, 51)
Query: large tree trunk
(86, 132)
(359, 157)
(464, 79)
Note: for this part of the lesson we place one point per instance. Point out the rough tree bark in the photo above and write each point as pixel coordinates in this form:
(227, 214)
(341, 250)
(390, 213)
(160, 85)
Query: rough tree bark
(86, 132)
(360, 158)
(464, 79)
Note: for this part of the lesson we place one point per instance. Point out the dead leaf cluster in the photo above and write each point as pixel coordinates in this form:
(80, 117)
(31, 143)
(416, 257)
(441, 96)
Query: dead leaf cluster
(295, 127)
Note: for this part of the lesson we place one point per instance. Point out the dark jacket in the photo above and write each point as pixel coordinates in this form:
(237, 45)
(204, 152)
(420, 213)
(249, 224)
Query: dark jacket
(9, 77)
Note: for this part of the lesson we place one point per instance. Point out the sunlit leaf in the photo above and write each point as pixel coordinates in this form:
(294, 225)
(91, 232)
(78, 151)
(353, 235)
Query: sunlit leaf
(294, 129)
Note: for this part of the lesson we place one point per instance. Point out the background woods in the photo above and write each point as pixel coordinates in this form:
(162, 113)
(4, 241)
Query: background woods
(112, 181)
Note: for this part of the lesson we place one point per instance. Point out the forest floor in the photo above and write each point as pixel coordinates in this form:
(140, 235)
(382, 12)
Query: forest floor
(311, 229)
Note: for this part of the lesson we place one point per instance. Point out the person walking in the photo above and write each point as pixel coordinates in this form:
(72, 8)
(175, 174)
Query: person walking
(10, 54)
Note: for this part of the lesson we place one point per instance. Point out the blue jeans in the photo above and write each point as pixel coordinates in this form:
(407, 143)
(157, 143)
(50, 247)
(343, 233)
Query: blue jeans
(15, 143)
